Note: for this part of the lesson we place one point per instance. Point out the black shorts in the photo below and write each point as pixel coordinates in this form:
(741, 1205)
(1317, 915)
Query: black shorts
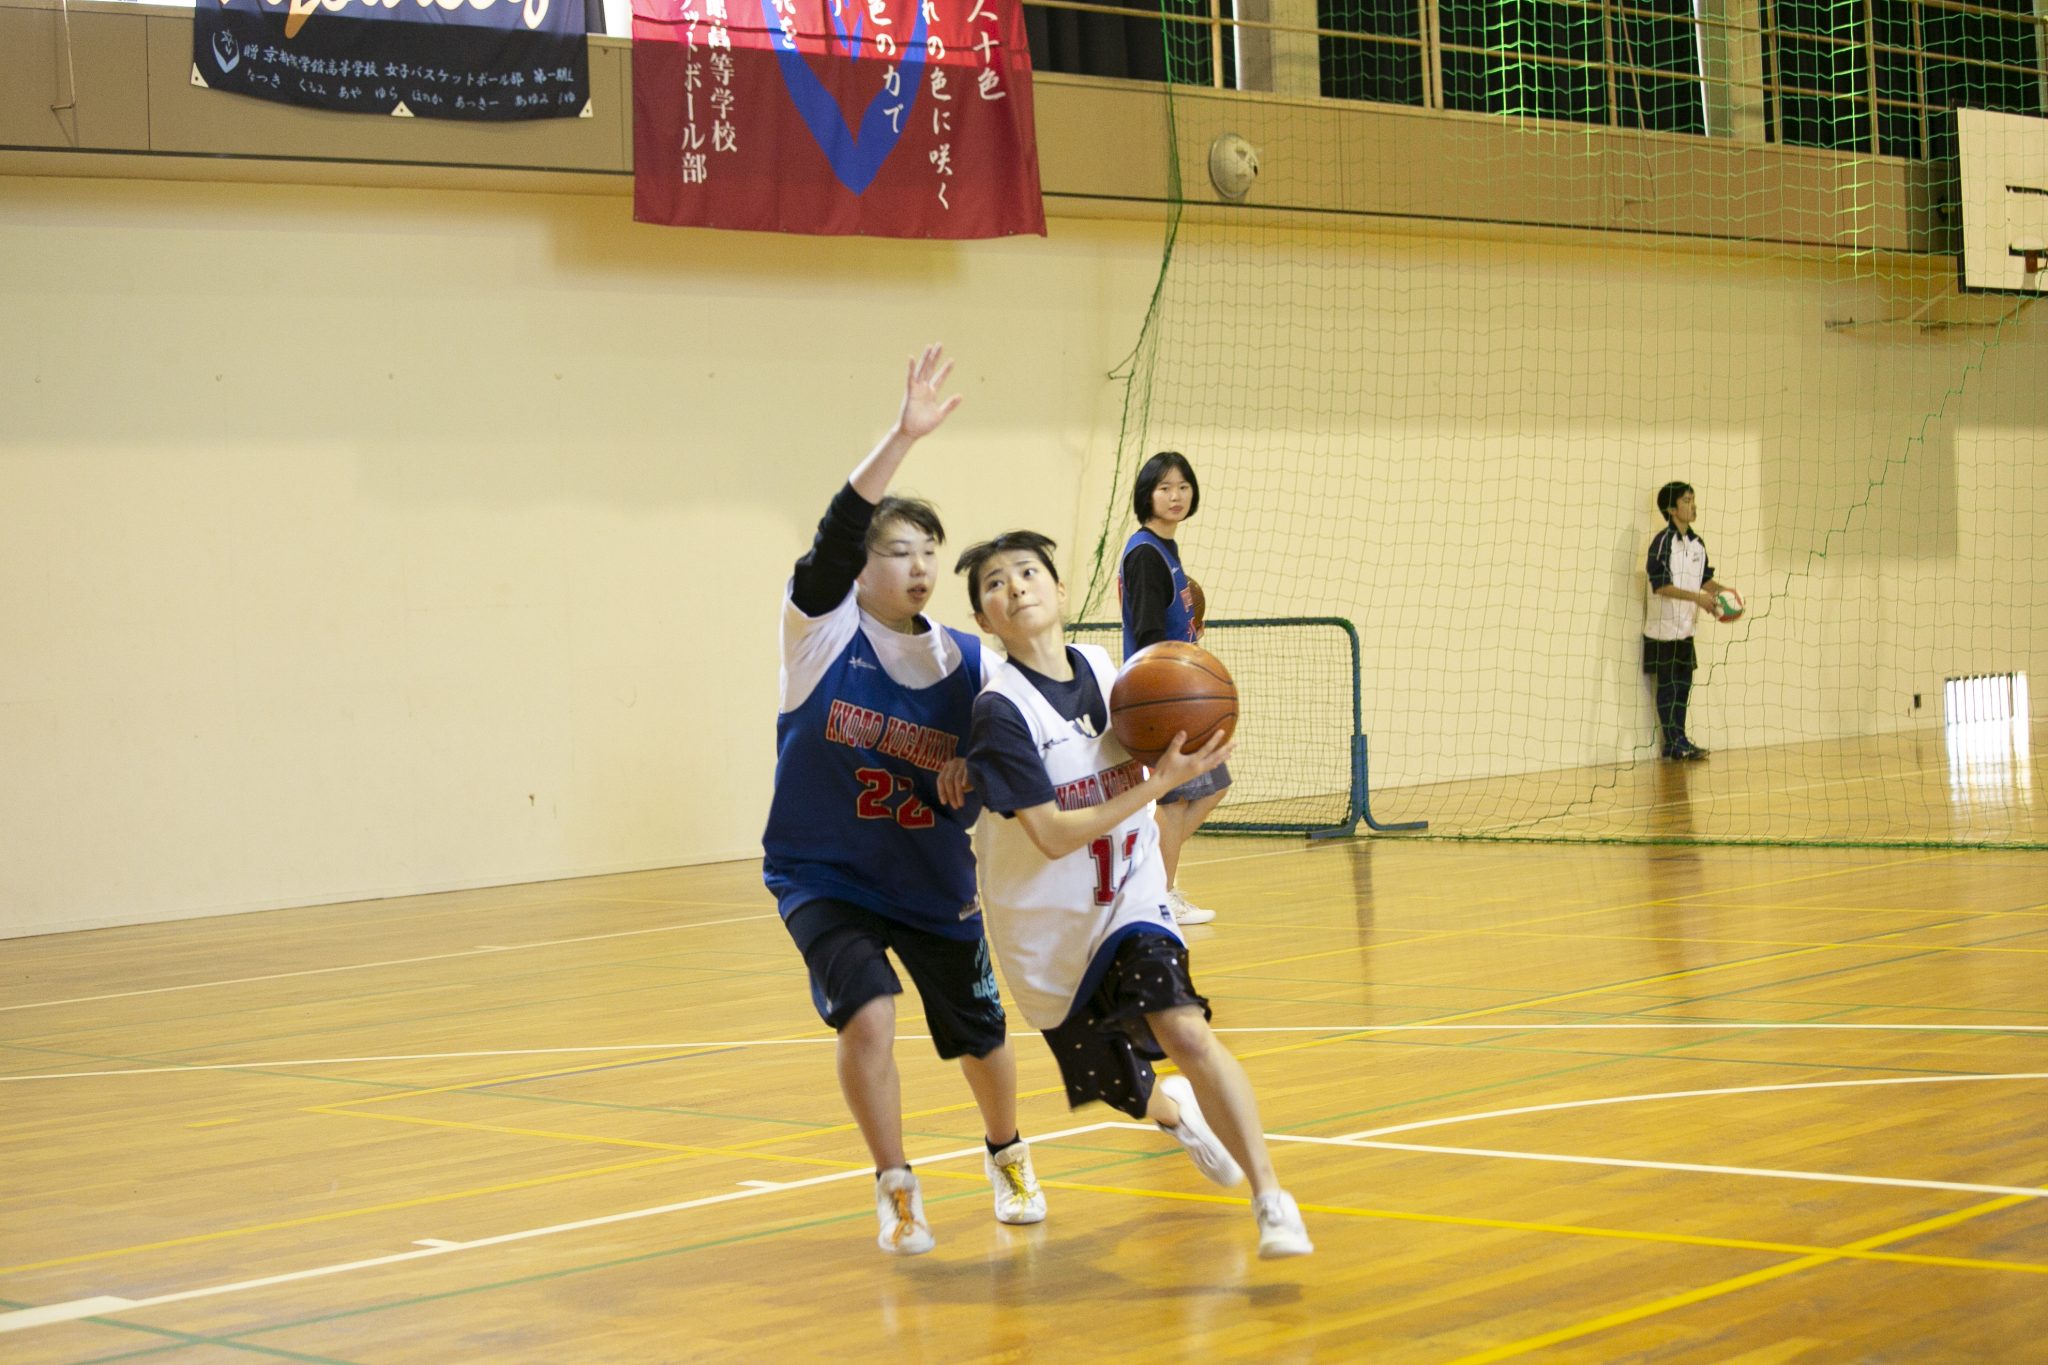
(1666, 659)
(846, 947)
(1105, 1049)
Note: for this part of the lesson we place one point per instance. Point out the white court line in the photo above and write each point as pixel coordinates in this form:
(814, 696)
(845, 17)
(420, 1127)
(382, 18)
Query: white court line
(366, 966)
(1692, 1094)
(1675, 1026)
(63, 1312)
(78, 1308)
(1767, 1172)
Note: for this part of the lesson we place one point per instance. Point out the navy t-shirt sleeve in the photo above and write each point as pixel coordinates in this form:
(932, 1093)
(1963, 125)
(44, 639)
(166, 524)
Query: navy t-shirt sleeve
(838, 553)
(1008, 774)
(1660, 560)
(1148, 588)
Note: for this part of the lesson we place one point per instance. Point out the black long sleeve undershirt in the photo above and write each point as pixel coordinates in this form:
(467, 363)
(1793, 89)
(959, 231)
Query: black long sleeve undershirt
(837, 555)
(1148, 588)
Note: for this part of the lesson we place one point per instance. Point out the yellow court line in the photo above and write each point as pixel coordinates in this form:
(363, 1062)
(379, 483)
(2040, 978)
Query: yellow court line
(1477, 931)
(1861, 1251)
(1801, 908)
(939, 1111)
(1874, 942)
(571, 1070)
(1541, 1001)
(591, 1139)
(1817, 876)
(1608, 909)
(1855, 1250)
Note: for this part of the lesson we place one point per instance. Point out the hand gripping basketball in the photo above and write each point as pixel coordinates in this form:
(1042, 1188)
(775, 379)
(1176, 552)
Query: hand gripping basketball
(1167, 689)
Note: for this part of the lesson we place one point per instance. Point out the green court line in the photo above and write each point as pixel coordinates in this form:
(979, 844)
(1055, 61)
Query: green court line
(2003, 1012)
(184, 1340)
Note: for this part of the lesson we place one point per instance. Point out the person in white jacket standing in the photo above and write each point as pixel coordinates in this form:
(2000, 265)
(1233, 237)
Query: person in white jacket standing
(1681, 583)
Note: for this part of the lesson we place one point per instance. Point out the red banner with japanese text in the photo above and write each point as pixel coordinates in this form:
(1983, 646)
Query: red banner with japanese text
(882, 118)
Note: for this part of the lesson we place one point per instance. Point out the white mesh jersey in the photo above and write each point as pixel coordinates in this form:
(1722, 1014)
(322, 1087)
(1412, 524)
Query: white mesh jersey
(1049, 919)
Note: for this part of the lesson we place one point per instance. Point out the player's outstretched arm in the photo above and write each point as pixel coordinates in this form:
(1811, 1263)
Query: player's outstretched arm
(925, 408)
(1056, 833)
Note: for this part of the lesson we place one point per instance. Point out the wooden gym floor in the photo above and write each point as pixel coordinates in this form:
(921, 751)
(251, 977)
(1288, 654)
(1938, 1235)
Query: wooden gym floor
(1545, 1102)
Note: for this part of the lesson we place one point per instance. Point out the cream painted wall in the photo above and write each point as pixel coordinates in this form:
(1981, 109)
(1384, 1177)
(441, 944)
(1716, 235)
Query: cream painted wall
(355, 543)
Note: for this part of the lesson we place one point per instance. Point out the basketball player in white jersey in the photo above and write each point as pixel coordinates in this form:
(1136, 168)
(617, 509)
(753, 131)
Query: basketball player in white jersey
(1074, 889)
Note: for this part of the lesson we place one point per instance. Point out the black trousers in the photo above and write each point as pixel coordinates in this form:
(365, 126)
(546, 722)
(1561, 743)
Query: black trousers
(1671, 663)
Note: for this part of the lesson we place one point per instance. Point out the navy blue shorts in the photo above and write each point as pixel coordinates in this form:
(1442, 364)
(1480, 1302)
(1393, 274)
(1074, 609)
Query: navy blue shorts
(847, 950)
(1105, 1049)
(1195, 788)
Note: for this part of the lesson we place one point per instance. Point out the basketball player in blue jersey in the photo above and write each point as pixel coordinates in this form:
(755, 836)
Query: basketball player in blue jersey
(867, 847)
(1075, 889)
(1158, 604)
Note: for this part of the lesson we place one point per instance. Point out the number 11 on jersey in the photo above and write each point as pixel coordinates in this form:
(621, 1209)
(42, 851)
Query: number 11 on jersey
(1109, 876)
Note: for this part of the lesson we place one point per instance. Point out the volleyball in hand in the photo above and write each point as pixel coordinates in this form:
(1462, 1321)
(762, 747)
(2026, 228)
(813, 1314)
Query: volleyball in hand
(1728, 604)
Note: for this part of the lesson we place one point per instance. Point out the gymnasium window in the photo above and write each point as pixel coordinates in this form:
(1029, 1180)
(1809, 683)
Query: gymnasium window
(1877, 75)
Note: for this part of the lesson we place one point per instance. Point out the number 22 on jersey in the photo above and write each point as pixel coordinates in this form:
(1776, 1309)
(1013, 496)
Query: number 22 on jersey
(876, 787)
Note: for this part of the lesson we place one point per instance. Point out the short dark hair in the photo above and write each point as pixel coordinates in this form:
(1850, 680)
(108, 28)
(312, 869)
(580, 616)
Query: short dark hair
(1669, 494)
(1149, 475)
(975, 556)
(916, 511)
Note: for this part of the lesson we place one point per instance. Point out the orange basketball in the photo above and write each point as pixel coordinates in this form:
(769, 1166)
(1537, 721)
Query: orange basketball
(1198, 606)
(1168, 688)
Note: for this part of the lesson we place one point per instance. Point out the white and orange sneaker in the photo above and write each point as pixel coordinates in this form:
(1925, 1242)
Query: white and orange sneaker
(900, 1206)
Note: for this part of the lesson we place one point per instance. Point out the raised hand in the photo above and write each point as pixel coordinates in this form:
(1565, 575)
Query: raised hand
(925, 406)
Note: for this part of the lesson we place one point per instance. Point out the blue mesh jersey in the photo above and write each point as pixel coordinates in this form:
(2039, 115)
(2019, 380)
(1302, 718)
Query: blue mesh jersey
(1180, 609)
(857, 815)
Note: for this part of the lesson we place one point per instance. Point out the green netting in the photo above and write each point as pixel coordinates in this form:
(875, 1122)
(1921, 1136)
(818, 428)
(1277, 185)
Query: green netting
(1452, 434)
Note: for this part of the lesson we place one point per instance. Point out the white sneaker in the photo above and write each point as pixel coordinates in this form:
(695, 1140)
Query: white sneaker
(900, 1206)
(1186, 911)
(1281, 1231)
(1210, 1156)
(1018, 1198)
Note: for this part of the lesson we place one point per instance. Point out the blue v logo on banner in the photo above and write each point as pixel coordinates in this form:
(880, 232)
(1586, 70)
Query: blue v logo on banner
(855, 160)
